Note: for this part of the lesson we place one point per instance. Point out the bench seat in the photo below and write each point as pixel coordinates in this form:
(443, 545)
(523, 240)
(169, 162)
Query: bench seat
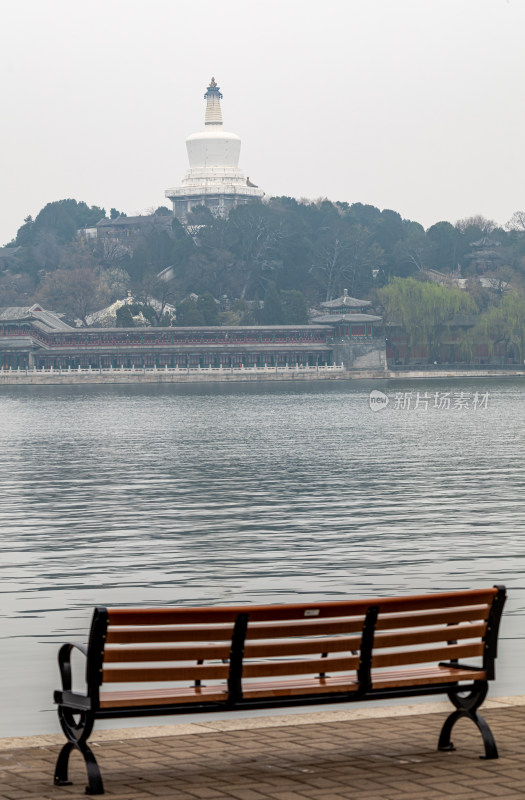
(384, 680)
(163, 697)
(425, 676)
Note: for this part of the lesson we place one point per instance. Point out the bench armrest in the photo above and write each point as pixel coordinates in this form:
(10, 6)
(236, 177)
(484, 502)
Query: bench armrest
(64, 662)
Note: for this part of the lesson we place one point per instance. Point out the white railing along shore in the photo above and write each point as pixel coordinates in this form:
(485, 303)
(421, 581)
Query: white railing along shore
(177, 370)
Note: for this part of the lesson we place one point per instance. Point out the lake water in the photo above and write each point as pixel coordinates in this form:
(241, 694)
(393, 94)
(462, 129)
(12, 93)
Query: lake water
(270, 492)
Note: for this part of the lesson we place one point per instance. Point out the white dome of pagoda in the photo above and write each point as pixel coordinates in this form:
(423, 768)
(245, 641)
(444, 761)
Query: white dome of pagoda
(214, 178)
(213, 147)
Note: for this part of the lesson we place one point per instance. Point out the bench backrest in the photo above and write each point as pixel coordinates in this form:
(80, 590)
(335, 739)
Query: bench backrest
(272, 650)
(424, 630)
(224, 645)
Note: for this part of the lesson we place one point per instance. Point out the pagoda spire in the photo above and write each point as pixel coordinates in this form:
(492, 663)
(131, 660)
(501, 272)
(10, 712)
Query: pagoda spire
(213, 99)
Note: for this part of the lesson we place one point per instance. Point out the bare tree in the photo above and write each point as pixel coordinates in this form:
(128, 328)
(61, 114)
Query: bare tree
(343, 256)
(157, 293)
(485, 225)
(74, 292)
(516, 222)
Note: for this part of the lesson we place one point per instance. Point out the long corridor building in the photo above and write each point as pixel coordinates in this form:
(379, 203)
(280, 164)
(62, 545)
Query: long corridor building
(33, 337)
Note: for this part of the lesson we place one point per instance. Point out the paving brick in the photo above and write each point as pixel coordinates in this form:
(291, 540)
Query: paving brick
(367, 759)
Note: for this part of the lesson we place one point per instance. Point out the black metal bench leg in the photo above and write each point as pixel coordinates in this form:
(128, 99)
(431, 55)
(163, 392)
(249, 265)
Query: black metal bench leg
(444, 737)
(77, 732)
(95, 785)
(491, 751)
(61, 769)
(467, 707)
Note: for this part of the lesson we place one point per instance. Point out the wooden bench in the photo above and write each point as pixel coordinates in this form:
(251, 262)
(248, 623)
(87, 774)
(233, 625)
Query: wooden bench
(150, 661)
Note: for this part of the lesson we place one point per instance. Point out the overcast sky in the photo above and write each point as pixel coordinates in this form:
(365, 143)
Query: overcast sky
(414, 105)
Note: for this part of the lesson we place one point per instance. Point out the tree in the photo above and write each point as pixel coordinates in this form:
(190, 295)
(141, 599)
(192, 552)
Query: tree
(295, 308)
(62, 218)
(156, 293)
(444, 238)
(503, 324)
(516, 222)
(424, 310)
(125, 317)
(77, 293)
(332, 262)
(24, 237)
(209, 309)
(16, 289)
(273, 312)
(139, 263)
(188, 315)
(485, 226)
(413, 253)
(344, 260)
(254, 232)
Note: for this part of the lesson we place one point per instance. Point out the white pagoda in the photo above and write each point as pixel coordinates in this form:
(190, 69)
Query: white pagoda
(214, 178)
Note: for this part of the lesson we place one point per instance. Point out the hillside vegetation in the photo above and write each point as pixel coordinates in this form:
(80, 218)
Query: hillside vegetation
(292, 254)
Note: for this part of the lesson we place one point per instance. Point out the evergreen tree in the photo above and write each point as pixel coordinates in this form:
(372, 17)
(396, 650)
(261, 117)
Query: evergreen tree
(273, 312)
(125, 317)
(188, 315)
(209, 309)
(61, 218)
(295, 308)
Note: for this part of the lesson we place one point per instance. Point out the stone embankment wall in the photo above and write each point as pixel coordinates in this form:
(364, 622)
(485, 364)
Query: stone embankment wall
(473, 372)
(105, 376)
(360, 355)
(40, 377)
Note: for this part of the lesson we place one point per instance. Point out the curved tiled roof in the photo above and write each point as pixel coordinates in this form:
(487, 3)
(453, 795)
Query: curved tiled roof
(47, 319)
(345, 301)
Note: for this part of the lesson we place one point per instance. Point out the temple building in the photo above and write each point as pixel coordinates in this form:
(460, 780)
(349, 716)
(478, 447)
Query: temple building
(214, 178)
(347, 317)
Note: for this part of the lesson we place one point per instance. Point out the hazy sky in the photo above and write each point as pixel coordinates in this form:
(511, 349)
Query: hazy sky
(414, 105)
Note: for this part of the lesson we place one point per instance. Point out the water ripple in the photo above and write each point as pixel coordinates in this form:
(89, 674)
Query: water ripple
(123, 495)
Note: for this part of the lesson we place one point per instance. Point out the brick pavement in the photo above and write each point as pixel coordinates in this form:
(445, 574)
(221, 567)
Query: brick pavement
(321, 756)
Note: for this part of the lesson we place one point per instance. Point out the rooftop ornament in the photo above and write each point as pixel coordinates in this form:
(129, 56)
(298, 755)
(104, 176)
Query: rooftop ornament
(213, 90)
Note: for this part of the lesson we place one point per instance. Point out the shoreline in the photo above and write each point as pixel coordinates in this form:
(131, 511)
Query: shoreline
(245, 723)
(231, 375)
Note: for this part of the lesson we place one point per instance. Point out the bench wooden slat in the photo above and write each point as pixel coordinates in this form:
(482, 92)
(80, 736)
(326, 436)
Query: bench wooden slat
(298, 647)
(427, 655)
(263, 649)
(178, 652)
(135, 634)
(194, 616)
(211, 633)
(334, 684)
(445, 633)
(455, 615)
(146, 674)
(268, 649)
(296, 688)
(422, 677)
(268, 669)
(162, 697)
